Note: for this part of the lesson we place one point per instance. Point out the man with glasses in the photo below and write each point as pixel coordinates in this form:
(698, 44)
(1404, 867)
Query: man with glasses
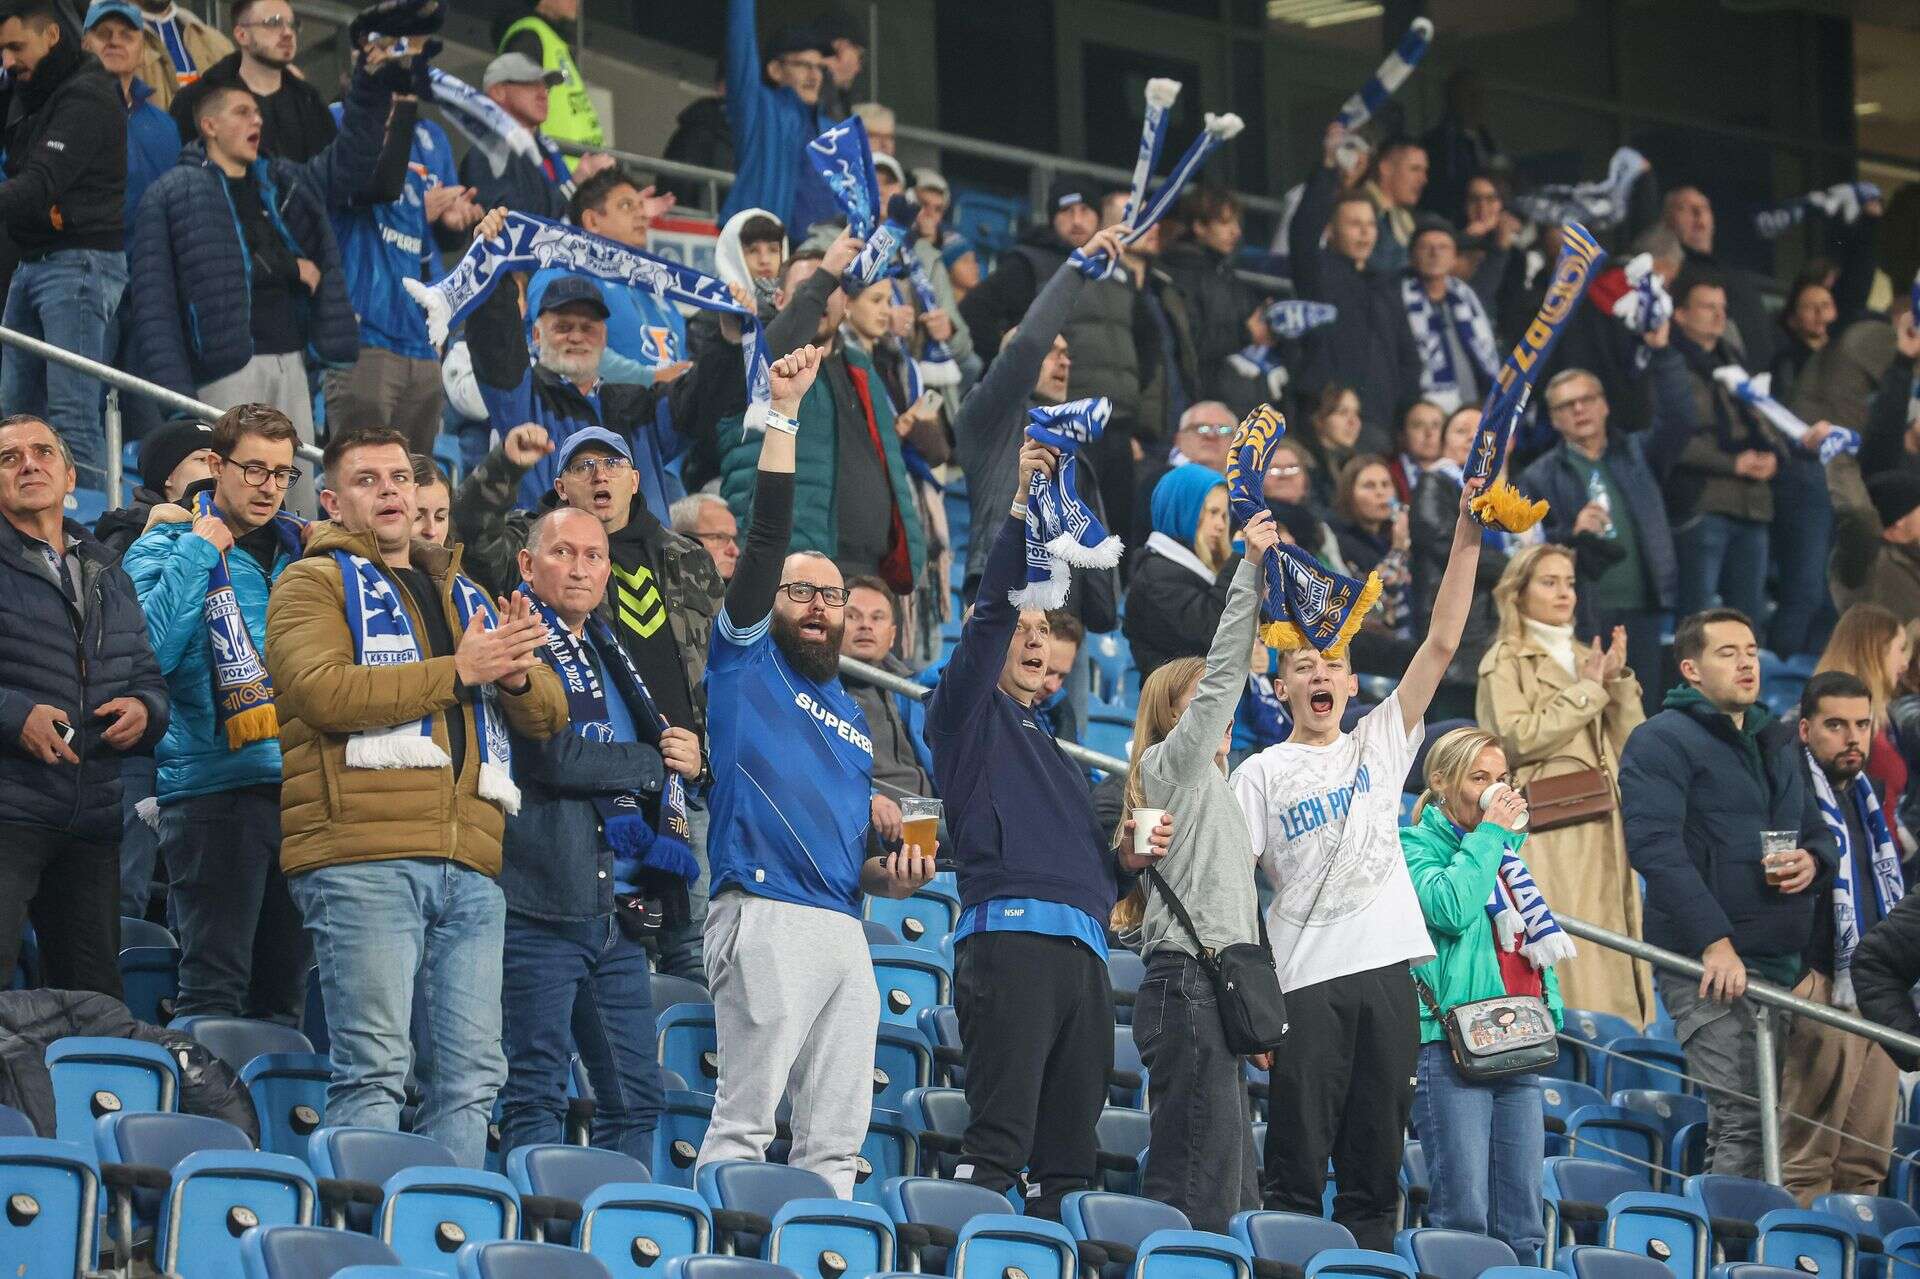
(1205, 431)
(661, 597)
(294, 122)
(1604, 503)
(243, 952)
(793, 844)
(773, 104)
(708, 520)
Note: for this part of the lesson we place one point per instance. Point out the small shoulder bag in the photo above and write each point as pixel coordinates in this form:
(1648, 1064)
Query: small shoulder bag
(1246, 985)
(1494, 1038)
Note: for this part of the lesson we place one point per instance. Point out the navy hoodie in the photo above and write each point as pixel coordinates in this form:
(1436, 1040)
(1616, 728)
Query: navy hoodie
(1018, 809)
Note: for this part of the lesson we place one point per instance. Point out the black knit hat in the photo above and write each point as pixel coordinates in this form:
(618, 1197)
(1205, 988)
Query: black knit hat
(168, 446)
(1894, 494)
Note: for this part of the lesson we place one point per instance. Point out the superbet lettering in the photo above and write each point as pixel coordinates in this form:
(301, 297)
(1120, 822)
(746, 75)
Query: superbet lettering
(840, 728)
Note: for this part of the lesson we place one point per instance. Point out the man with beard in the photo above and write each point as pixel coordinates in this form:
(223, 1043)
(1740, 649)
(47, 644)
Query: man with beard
(793, 847)
(563, 392)
(1839, 1091)
(295, 124)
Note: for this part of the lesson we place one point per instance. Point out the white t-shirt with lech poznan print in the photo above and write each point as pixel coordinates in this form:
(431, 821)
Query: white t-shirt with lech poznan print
(1325, 822)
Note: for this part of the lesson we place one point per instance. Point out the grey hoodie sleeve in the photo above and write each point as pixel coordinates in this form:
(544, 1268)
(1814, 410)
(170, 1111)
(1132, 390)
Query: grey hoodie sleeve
(1009, 379)
(1189, 750)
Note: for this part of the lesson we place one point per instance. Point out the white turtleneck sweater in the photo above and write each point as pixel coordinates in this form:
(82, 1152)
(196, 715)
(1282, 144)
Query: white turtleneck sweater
(1556, 640)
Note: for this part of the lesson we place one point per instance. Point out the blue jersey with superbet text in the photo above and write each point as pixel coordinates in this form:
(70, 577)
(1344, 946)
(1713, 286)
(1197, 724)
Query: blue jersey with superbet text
(793, 775)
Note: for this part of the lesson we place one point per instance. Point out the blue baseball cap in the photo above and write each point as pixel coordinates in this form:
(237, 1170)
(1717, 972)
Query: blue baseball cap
(598, 437)
(121, 9)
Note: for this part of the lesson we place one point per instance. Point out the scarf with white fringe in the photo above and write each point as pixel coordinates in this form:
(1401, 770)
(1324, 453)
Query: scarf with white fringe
(1843, 200)
(1522, 920)
(1389, 76)
(1756, 392)
(1888, 886)
(1062, 530)
(1601, 204)
(498, 135)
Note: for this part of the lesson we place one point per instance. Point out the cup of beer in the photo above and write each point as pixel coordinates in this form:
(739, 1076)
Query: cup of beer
(919, 823)
(1775, 847)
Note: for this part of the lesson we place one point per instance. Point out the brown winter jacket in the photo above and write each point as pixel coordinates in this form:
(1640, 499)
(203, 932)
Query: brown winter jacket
(330, 814)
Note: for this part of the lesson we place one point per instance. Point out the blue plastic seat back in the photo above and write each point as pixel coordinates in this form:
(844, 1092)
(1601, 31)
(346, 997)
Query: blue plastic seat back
(1451, 1254)
(371, 1155)
(725, 1268)
(238, 1040)
(669, 990)
(1413, 1181)
(677, 1137)
(1643, 1062)
(902, 1061)
(1666, 1228)
(1752, 1270)
(49, 1206)
(1873, 1216)
(1192, 1254)
(14, 1123)
(1358, 1263)
(1593, 1030)
(1903, 1247)
(313, 1019)
(385, 1272)
(1516, 1272)
(890, 1150)
(929, 1201)
(144, 932)
(1559, 1098)
(1126, 971)
(940, 1027)
(1588, 1261)
(95, 1076)
(1808, 1242)
(936, 1110)
(289, 1092)
(1618, 1136)
(1590, 1182)
(1668, 1111)
(993, 1244)
(911, 980)
(919, 921)
(690, 1045)
(430, 1213)
(1126, 1057)
(1720, 1197)
(632, 1228)
(744, 1185)
(1289, 1237)
(160, 1139)
(805, 1230)
(1125, 1132)
(517, 1259)
(150, 982)
(1123, 1219)
(217, 1197)
(570, 1172)
(308, 1252)
(879, 934)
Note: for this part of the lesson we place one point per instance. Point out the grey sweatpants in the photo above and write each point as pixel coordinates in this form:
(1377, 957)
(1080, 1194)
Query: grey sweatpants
(796, 1009)
(1719, 1043)
(279, 380)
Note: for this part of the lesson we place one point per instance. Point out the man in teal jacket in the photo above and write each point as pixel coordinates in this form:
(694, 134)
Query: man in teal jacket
(244, 951)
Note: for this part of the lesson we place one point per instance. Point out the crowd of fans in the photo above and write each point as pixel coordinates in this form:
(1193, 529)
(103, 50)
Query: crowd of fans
(490, 747)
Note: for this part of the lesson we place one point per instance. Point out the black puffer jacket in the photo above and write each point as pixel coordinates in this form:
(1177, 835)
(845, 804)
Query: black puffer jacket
(49, 655)
(1885, 966)
(32, 1019)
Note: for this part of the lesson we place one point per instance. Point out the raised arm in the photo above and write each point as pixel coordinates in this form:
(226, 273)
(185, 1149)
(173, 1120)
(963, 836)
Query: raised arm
(757, 576)
(1190, 748)
(1449, 618)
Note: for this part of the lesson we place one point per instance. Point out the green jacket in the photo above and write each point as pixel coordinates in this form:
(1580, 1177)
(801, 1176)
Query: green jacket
(1453, 876)
(816, 516)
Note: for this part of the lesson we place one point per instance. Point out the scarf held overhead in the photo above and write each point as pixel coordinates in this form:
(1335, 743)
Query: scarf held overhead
(1843, 200)
(1302, 600)
(1501, 506)
(528, 243)
(1062, 530)
(242, 690)
(1888, 886)
(1756, 392)
(383, 636)
(1472, 332)
(1602, 204)
(1391, 74)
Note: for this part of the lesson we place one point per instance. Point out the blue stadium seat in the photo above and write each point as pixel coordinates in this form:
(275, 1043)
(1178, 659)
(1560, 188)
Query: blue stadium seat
(676, 1139)
(1902, 1250)
(1587, 1261)
(1593, 1029)
(1902, 1181)
(14, 1123)
(1617, 1136)
(1357, 1263)
(632, 1227)
(1121, 1136)
(1559, 1098)
(1576, 1193)
(1108, 730)
(1125, 970)
(1664, 1227)
(95, 1076)
(156, 1141)
(1643, 1062)
(308, 1252)
(1117, 1223)
(1871, 1216)
(808, 1234)
(920, 920)
(428, 1214)
(942, 1205)
(571, 1173)
(940, 1027)
(313, 1019)
(51, 1193)
(216, 1197)
(1731, 1206)
(993, 222)
(518, 1259)
(1809, 1242)
(902, 1061)
(238, 1040)
(725, 1268)
(1451, 1254)
(1192, 1254)
(745, 1195)
(669, 990)
(150, 982)
(993, 1245)
(289, 1092)
(911, 979)
(369, 1156)
(1414, 1187)
(938, 1117)
(689, 1045)
(144, 932)
(1288, 1237)
(1126, 1063)
(890, 1150)
(1516, 1272)
(1681, 1120)
(878, 934)
(384, 1272)
(1752, 1270)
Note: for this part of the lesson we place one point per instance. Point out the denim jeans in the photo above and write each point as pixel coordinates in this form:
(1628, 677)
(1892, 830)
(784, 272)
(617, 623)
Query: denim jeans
(1723, 556)
(67, 298)
(375, 927)
(1802, 540)
(1483, 1144)
(578, 985)
(243, 952)
(139, 842)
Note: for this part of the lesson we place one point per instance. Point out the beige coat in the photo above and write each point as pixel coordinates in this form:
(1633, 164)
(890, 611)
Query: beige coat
(206, 45)
(1552, 723)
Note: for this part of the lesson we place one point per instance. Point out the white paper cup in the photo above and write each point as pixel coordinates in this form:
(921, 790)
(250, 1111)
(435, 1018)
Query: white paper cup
(1494, 792)
(1145, 822)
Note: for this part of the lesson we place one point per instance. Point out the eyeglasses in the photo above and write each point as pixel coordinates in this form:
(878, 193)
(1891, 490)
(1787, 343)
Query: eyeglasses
(1213, 430)
(719, 539)
(1577, 402)
(803, 593)
(276, 23)
(256, 474)
(584, 468)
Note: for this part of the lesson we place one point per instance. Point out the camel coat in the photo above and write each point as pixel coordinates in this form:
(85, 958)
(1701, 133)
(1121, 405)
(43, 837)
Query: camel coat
(1551, 723)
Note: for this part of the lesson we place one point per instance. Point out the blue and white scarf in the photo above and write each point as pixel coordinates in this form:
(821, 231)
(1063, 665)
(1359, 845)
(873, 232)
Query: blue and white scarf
(1843, 200)
(1391, 74)
(1755, 392)
(528, 243)
(498, 135)
(1062, 531)
(383, 636)
(1521, 918)
(1888, 886)
(935, 365)
(1601, 204)
(1291, 319)
(622, 817)
(1303, 601)
(1439, 379)
(1644, 307)
(243, 706)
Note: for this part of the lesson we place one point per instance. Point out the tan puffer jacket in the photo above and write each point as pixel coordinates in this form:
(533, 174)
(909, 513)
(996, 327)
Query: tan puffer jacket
(330, 814)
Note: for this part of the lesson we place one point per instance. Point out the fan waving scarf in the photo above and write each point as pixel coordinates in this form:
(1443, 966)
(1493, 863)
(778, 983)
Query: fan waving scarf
(1062, 530)
(1392, 73)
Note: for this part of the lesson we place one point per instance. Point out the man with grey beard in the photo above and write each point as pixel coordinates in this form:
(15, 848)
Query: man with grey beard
(563, 392)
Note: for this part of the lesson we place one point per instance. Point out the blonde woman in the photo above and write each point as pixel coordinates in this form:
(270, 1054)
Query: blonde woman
(1203, 1161)
(1870, 644)
(1483, 1141)
(1560, 707)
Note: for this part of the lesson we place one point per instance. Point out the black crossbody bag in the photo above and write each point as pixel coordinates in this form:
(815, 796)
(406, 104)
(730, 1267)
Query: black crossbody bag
(1246, 985)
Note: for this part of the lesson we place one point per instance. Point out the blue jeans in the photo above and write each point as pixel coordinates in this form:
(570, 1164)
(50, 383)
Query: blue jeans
(1802, 540)
(578, 985)
(1484, 1144)
(1721, 555)
(375, 927)
(67, 298)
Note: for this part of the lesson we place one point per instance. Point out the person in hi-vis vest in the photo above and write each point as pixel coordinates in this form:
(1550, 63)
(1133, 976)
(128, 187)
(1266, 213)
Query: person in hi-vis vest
(546, 35)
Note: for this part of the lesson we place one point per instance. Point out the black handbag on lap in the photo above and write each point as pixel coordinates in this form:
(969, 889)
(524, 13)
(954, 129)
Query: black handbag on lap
(1246, 985)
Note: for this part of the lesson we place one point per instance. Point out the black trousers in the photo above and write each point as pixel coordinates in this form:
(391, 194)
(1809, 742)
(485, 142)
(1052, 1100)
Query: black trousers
(1036, 1025)
(1341, 1088)
(70, 888)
